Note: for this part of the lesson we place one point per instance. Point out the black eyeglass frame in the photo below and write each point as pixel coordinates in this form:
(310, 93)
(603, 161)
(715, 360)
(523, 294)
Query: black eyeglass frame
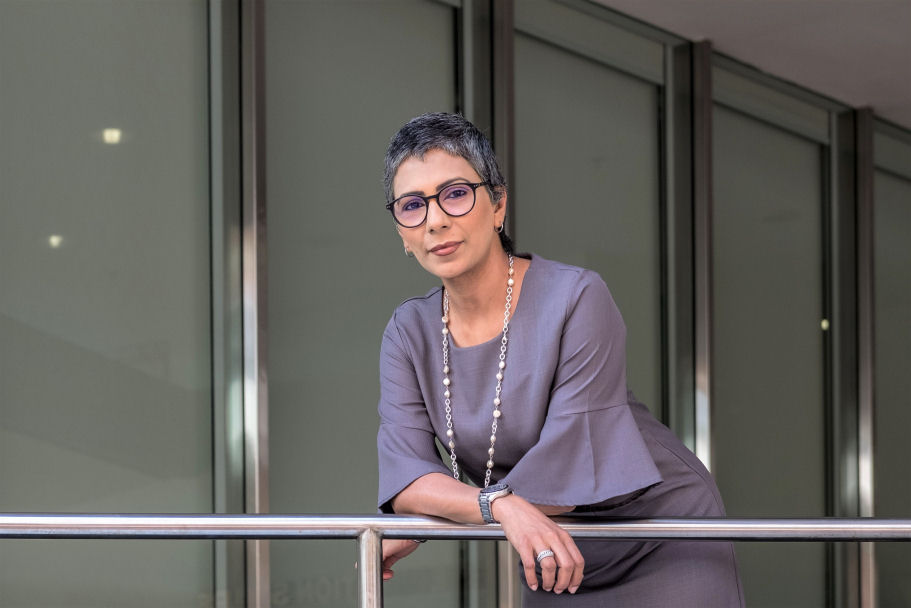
(427, 199)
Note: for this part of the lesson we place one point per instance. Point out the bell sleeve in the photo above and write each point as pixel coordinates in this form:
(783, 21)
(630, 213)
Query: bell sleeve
(590, 448)
(405, 441)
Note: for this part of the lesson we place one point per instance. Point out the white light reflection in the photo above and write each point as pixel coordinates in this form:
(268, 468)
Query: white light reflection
(111, 136)
(55, 241)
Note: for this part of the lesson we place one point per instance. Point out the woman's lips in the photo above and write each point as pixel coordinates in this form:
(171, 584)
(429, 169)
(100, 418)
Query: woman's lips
(445, 248)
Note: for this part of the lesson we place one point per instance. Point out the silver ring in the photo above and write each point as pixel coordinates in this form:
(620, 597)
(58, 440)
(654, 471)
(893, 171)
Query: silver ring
(543, 554)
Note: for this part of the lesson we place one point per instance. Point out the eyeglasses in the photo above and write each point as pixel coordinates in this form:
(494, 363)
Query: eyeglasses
(410, 211)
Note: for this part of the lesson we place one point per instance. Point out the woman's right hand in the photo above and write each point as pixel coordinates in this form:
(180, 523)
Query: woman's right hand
(530, 531)
(393, 551)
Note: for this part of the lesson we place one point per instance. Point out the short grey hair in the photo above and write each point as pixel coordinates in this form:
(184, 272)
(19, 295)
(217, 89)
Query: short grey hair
(451, 133)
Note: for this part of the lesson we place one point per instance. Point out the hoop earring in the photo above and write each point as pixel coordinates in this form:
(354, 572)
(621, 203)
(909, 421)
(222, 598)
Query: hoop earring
(500, 229)
(409, 254)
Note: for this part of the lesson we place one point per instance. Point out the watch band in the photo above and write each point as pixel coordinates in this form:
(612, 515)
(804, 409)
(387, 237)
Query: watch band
(486, 498)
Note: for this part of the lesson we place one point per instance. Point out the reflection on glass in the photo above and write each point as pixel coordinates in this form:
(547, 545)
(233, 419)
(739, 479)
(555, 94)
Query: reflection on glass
(111, 136)
(105, 393)
(892, 338)
(768, 409)
(337, 271)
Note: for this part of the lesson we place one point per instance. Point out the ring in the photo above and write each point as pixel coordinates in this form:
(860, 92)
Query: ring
(543, 554)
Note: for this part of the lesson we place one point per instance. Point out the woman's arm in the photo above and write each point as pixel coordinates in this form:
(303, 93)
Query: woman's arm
(527, 527)
(440, 496)
(443, 496)
(590, 448)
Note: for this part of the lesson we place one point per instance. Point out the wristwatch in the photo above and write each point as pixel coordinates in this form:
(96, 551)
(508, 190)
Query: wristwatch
(486, 498)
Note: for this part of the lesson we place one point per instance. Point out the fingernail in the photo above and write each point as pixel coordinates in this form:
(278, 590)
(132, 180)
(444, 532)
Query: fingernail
(534, 587)
(574, 589)
(558, 592)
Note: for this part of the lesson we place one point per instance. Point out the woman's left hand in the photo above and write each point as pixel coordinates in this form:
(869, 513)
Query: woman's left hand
(530, 531)
(393, 551)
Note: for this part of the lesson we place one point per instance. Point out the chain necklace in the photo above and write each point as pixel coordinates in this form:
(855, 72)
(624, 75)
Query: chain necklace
(501, 365)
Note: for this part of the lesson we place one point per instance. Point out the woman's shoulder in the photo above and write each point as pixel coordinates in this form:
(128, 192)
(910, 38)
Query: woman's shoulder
(410, 320)
(419, 307)
(564, 281)
(562, 292)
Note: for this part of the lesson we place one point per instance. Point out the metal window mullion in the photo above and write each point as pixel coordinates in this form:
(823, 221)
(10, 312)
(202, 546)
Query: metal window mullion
(478, 561)
(702, 246)
(503, 88)
(843, 349)
(865, 346)
(227, 322)
(255, 388)
(677, 180)
(476, 63)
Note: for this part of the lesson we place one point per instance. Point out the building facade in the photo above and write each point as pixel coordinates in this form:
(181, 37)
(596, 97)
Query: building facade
(197, 267)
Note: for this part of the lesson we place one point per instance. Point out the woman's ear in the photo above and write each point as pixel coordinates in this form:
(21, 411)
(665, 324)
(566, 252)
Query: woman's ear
(499, 207)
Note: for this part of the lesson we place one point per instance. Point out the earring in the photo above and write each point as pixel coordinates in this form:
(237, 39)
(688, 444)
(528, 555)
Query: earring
(499, 229)
(409, 253)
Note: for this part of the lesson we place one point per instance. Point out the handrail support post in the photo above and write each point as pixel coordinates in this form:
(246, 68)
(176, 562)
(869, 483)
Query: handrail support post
(370, 568)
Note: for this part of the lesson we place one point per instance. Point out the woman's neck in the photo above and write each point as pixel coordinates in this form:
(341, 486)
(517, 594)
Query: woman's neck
(476, 301)
(481, 290)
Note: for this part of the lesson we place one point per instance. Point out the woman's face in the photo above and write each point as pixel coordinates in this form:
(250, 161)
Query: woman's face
(447, 246)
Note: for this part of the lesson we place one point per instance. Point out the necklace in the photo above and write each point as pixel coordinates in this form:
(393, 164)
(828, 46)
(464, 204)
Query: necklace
(501, 365)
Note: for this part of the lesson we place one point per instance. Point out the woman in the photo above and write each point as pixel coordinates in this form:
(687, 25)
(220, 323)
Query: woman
(517, 366)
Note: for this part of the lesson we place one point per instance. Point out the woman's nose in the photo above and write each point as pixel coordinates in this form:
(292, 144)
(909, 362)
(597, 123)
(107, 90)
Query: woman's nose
(436, 217)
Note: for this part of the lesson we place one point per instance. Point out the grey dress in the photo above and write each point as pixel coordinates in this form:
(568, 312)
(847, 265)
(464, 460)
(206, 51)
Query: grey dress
(570, 434)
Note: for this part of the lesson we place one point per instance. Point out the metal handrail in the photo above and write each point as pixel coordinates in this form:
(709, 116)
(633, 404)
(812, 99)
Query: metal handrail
(370, 530)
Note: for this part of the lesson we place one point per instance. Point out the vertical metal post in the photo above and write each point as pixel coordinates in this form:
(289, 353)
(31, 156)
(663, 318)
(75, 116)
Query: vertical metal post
(843, 339)
(865, 350)
(254, 291)
(509, 594)
(503, 98)
(476, 99)
(478, 560)
(702, 233)
(678, 263)
(227, 322)
(370, 569)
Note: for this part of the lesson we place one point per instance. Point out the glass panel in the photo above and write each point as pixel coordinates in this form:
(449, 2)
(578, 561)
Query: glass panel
(101, 573)
(337, 268)
(768, 414)
(766, 103)
(892, 299)
(892, 150)
(576, 28)
(105, 392)
(587, 186)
